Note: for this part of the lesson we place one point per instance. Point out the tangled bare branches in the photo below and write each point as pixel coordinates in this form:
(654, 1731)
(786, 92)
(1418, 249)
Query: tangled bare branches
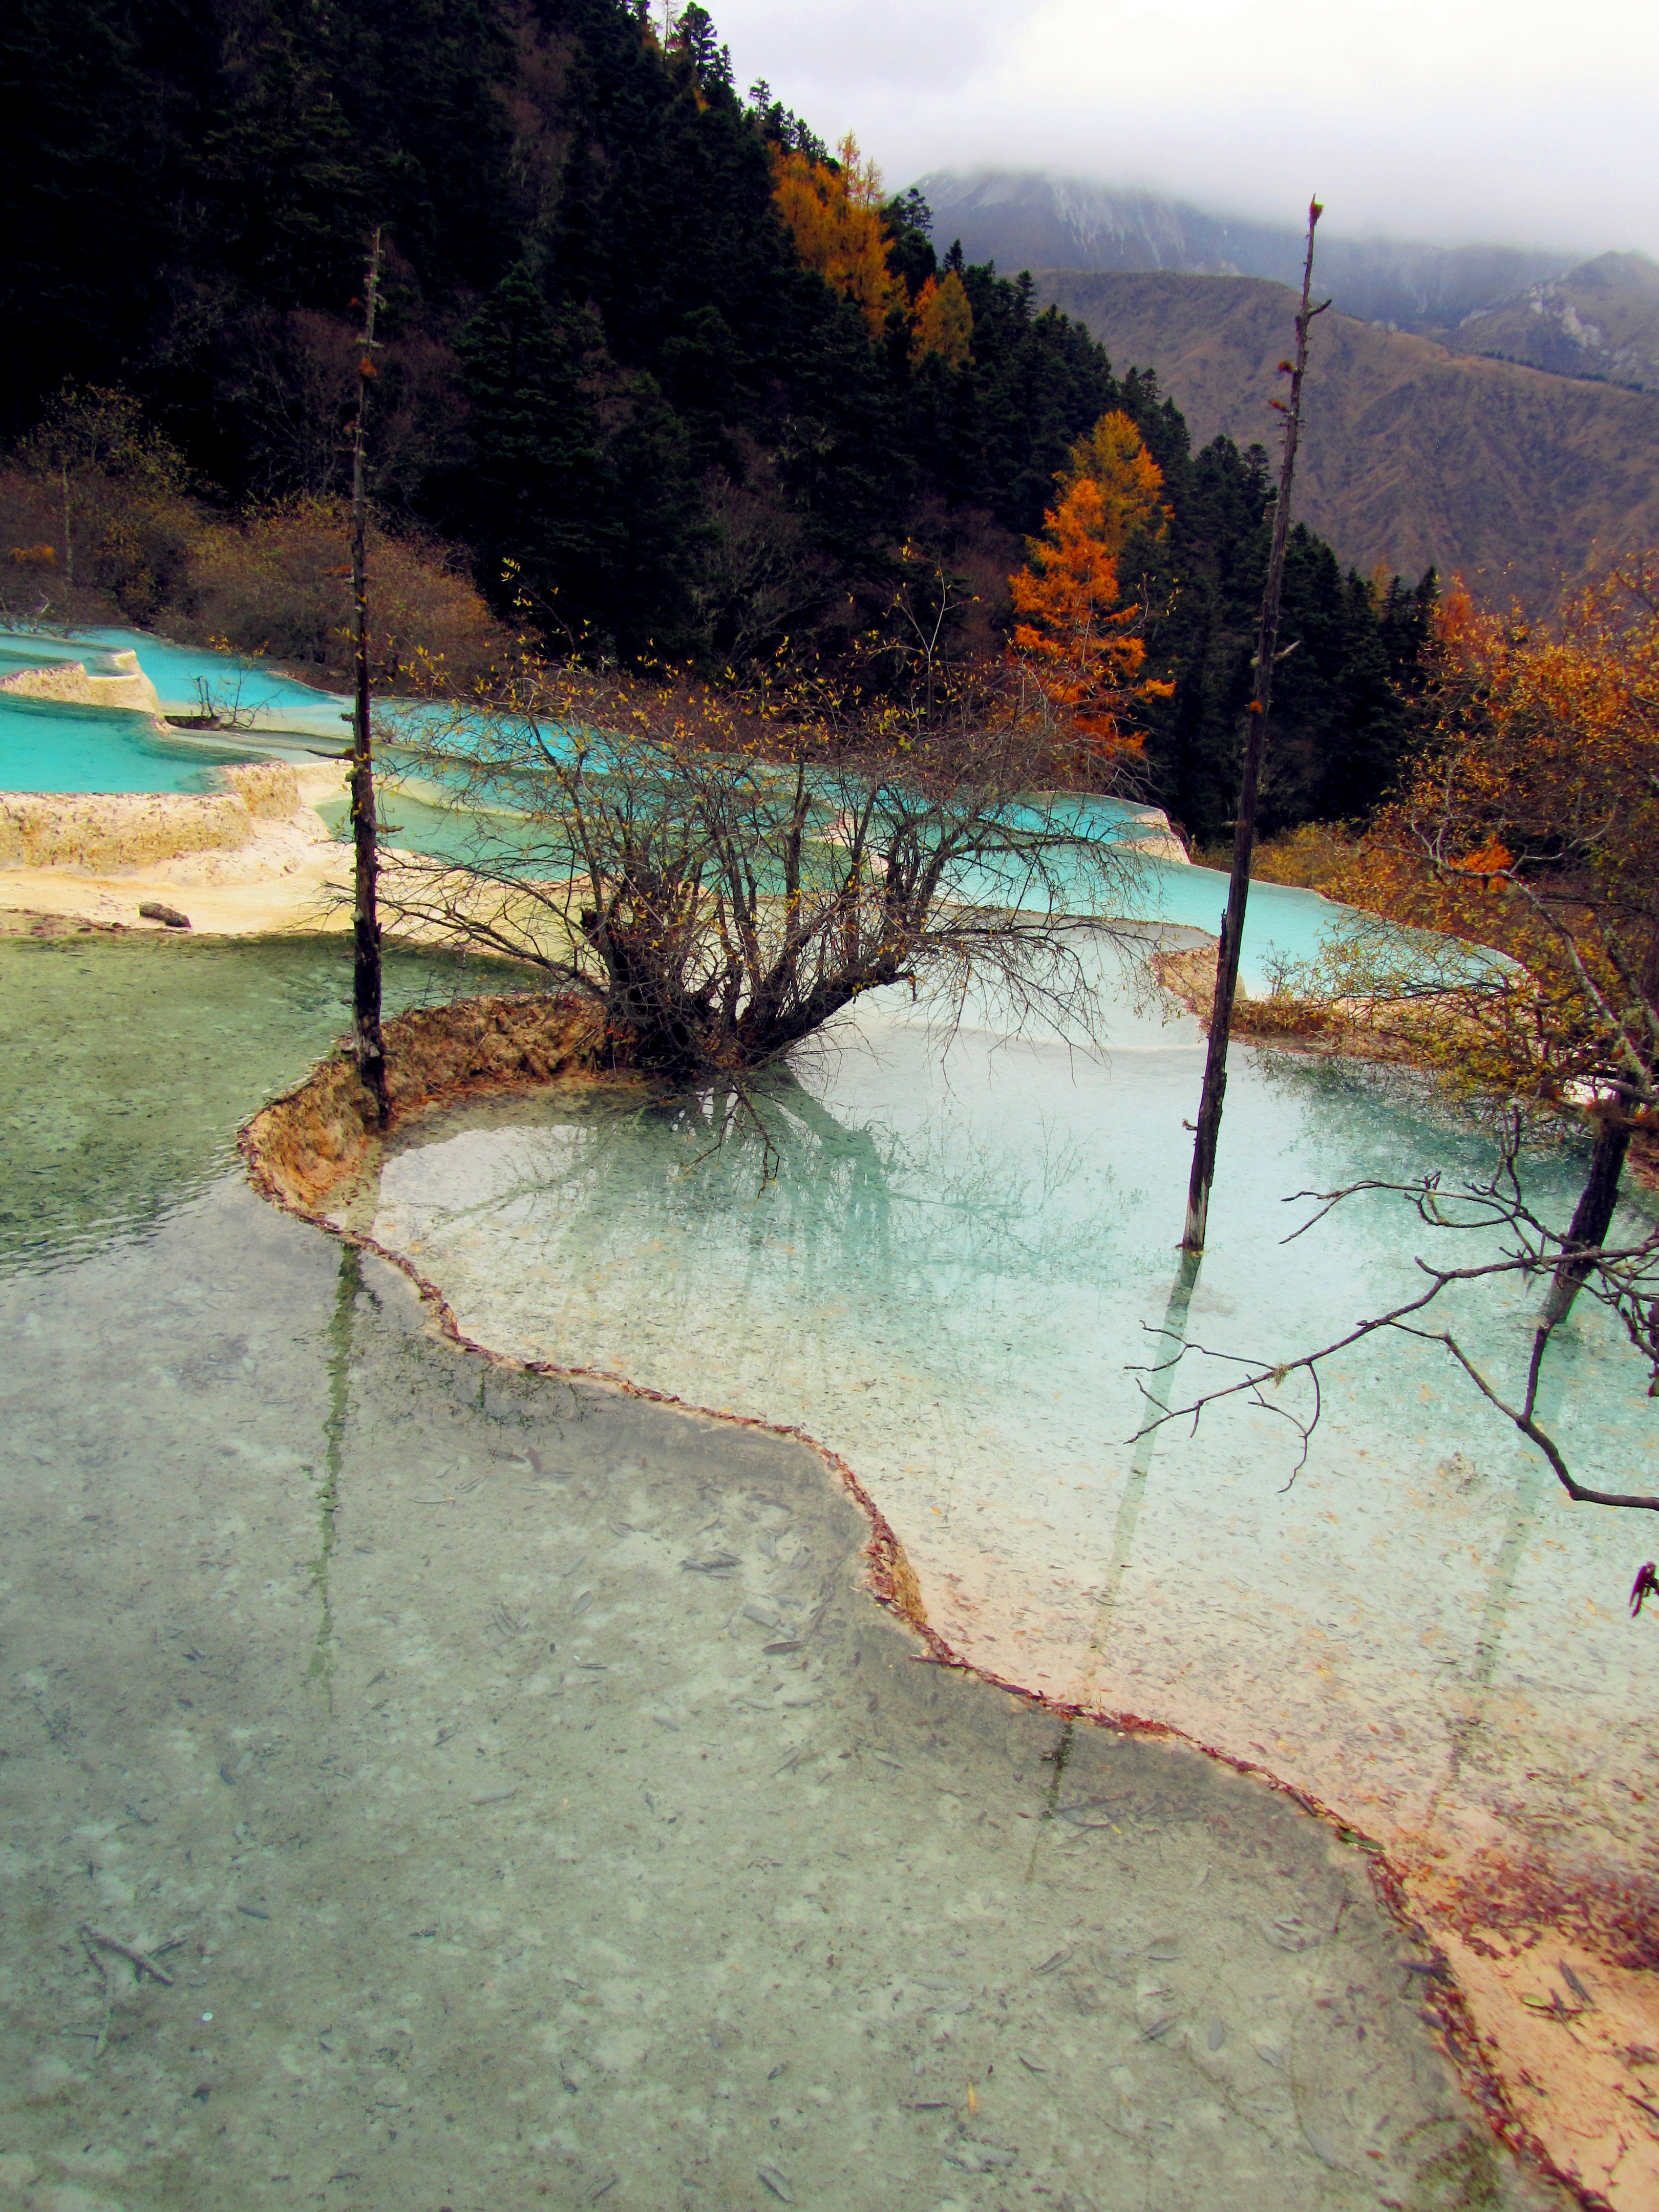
(723, 877)
(1529, 824)
(1620, 1275)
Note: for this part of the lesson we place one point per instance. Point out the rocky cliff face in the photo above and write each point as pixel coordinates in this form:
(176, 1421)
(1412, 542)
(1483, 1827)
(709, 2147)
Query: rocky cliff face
(1601, 319)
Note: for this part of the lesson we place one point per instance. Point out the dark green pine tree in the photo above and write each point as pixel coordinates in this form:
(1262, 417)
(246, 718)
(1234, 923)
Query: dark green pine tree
(536, 491)
(661, 526)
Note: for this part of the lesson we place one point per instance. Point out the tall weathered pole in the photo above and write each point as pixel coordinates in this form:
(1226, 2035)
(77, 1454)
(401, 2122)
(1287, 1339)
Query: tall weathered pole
(366, 927)
(1256, 744)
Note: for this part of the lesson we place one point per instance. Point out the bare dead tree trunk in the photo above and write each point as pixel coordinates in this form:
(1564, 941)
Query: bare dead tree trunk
(1232, 924)
(1591, 1219)
(69, 547)
(366, 927)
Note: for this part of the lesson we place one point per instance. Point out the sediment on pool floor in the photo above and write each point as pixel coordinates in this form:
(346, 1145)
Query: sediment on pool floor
(1480, 2059)
(631, 1806)
(558, 1228)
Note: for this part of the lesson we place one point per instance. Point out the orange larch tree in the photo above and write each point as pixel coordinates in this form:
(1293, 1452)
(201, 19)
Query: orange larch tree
(834, 216)
(1080, 638)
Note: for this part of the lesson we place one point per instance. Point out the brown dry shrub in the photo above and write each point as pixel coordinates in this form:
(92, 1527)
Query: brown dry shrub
(131, 546)
(1312, 858)
(274, 581)
(277, 582)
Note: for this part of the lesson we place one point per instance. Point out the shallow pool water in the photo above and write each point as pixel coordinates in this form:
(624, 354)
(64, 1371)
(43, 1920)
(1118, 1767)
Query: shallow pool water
(46, 746)
(517, 1793)
(952, 1281)
(183, 1045)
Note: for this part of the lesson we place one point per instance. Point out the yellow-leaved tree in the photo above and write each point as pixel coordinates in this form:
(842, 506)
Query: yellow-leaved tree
(942, 322)
(834, 214)
(1113, 456)
(1080, 638)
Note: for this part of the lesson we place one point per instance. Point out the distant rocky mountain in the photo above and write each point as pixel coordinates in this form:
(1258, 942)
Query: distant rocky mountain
(1512, 476)
(1029, 220)
(1600, 319)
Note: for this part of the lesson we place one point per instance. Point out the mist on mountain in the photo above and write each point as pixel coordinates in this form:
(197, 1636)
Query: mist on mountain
(1025, 219)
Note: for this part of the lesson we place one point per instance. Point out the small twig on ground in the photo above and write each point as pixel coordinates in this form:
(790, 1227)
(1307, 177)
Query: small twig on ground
(139, 1959)
(102, 1965)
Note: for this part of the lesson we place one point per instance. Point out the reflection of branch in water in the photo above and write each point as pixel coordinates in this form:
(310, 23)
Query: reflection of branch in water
(692, 1157)
(1002, 1195)
(1489, 1636)
(350, 1283)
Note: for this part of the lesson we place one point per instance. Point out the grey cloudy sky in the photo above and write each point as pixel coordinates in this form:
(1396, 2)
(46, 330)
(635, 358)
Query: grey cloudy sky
(1509, 120)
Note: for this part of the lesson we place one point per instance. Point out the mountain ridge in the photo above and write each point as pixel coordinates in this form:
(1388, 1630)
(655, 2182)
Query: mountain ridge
(1029, 219)
(1514, 477)
(1600, 319)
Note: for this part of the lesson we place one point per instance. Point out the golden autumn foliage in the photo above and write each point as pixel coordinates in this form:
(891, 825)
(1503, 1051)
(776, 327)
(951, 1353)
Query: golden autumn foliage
(1131, 484)
(942, 322)
(834, 216)
(1074, 629)
(1529, 823)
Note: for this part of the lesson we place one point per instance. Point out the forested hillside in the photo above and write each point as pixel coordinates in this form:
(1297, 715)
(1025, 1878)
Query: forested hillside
(652, 354)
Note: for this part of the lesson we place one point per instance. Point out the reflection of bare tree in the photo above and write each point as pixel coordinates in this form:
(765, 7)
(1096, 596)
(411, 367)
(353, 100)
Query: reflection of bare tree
(1171, 1342)
(775, 1164)
(832, 1181)
(994, 1202)
(1489, 1634)
(349, 1287)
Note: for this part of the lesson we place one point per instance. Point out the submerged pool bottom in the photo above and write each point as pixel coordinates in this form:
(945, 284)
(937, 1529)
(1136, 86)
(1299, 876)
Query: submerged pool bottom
(521, 1799)
(958, 1279)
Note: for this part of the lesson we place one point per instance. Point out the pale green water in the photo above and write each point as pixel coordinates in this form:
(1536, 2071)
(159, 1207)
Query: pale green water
(948, 1284)
(127, 1074)
(524, 1797)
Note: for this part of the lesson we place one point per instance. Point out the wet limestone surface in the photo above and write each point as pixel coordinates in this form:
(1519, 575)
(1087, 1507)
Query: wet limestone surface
(523, 1780)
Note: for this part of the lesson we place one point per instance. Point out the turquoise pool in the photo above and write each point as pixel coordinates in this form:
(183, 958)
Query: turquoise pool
(520, 1796)
(46, 745)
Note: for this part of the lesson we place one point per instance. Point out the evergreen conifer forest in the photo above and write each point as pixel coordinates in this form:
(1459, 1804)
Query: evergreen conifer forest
(657, 361)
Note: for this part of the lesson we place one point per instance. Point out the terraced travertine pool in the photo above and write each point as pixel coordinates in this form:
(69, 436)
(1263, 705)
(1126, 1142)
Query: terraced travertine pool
(511, 1782)
(48, 747)
(959, 1281)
